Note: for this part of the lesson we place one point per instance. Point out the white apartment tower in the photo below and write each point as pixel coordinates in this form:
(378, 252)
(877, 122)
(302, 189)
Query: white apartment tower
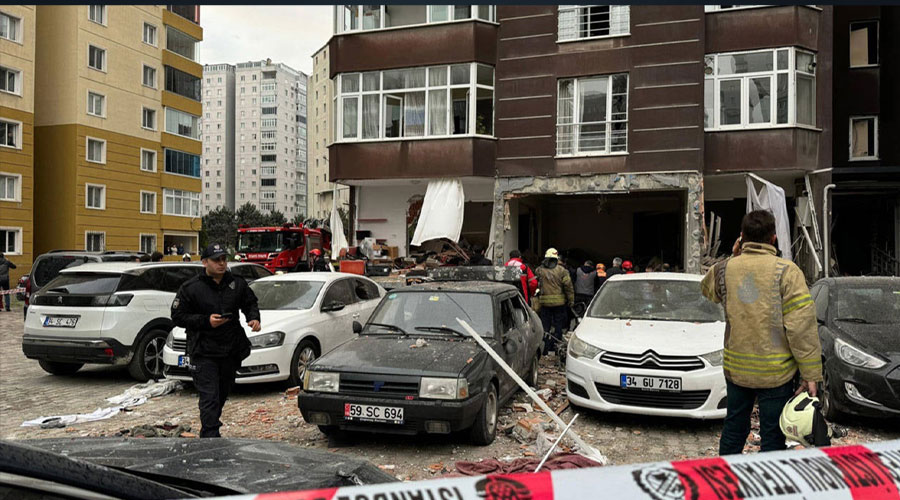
(267, 127)
(321, 134)
(218, 137)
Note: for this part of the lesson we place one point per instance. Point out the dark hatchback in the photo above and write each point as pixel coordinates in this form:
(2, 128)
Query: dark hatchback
(859, 327)
(413, 368)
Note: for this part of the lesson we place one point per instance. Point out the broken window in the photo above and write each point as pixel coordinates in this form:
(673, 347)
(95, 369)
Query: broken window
(577, 22)
(592, 115)
(864, 44)
(863, 137)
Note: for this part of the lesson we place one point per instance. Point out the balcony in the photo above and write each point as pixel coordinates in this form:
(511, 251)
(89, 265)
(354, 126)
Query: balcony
(777, 26)
(425, 158)
(762, 150)
(189, 12)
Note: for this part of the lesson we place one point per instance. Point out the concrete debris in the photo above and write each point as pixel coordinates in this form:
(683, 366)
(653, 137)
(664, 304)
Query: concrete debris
(523, 407)
(545, 394)
(292, 392)
(160, 430)
(419, 343)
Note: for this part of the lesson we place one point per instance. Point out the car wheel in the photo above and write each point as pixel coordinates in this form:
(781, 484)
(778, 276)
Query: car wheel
(147, 361)
(829, 411)
(533, 372)
(485, 429)
(57, 368)
(305, 354)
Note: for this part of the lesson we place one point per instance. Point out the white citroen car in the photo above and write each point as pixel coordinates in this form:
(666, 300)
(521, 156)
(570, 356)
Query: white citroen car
(303, 315)
(649, 344)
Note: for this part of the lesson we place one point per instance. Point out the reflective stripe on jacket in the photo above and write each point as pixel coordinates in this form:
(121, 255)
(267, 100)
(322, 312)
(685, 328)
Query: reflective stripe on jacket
(555, 284)
(770, 329)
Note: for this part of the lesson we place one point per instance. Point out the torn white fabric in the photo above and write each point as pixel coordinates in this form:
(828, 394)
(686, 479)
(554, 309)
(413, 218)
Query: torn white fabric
(442, 212)
(338, 239)
(772, 198)
(67, 420)
(146, 390)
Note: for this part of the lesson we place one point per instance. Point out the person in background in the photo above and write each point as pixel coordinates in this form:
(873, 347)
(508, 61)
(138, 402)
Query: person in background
(144, 258)
(557, 296)
(317, 263)
(5, 266)
(529, 280)
(627, 267)
(186, 257)
(616, 268)
(156, 257)
(478, 258)
(585, 282)
(179, 249)
(601, 274)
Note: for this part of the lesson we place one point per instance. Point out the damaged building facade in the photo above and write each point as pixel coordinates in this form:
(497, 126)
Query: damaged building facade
(603, 131)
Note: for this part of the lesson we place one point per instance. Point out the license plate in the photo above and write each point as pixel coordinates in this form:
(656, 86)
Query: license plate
(369, 413)
(645, 383)
(184, 360)
(60, 321)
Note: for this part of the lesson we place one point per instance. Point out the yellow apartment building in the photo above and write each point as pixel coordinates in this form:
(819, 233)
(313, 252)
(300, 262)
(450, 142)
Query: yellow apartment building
(117, 127)
(17, 32)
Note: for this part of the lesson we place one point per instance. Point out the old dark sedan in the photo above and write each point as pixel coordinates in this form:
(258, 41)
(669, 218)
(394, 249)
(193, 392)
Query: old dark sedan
(859, 326)
(413, 369)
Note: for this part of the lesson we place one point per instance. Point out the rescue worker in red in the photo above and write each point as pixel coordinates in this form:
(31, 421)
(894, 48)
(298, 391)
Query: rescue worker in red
(529, 280)
(628, 267)
(316, 262)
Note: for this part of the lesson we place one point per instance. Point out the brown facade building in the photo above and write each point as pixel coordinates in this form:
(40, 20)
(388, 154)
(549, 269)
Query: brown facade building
(602, 131)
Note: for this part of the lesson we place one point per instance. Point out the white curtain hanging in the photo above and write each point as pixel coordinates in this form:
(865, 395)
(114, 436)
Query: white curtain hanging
(442, 212)
(772, 198)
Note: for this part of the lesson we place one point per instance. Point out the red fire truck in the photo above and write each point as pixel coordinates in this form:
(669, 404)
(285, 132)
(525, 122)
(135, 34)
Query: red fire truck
(284, 248)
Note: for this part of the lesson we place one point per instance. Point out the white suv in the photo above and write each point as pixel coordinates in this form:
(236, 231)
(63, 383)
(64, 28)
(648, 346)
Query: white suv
(114, 313)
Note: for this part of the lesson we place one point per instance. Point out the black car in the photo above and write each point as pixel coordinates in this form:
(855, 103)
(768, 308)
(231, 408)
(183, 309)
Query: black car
(413, 368)
(859, 327)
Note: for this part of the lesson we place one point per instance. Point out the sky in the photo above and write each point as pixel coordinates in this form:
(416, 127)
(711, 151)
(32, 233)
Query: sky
(288, 34)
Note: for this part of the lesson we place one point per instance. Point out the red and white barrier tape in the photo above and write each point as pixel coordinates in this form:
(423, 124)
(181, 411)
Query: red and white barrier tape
(10, 292)
(849, 472)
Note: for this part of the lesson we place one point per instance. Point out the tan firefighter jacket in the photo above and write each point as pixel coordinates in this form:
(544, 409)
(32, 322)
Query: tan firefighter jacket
(770, 328)
(555, 284)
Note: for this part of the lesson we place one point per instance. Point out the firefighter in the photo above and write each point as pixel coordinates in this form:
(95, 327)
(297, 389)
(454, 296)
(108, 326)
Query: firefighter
(316, 262)
(529, 280)
(771, 333)
(557, 296)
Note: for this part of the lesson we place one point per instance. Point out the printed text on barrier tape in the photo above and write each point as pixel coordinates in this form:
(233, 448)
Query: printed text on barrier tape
(10, 292)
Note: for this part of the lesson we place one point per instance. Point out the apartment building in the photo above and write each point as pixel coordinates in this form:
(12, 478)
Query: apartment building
(218, 137)
(601, 130)
(321, 135)
(117, 132)
(255, 137)
(17, 32)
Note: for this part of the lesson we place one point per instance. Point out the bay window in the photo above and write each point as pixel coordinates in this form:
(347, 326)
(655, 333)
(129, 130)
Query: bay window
(760, 89)
(579, 22)
(183, 124)
(183, 203)
(350, 18)
(592, 115)
(181, 43)
(437, 101)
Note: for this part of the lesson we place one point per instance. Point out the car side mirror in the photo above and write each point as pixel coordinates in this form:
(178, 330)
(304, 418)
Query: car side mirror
(332, 306)
(357, 327)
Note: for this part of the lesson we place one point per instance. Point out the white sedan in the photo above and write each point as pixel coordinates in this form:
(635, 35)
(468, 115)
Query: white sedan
(649, 344)
(303, 315)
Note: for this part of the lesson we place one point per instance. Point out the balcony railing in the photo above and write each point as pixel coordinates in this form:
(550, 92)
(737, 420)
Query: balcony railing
(189, 12)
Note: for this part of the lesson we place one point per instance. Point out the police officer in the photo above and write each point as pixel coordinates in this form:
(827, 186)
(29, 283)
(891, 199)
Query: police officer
(207, 307)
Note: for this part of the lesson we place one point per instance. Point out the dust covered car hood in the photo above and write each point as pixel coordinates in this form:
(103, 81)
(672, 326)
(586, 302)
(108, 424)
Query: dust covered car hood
(396, 354)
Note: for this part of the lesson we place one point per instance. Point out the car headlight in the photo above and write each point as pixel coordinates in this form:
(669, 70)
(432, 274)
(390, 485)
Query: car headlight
(444, 388)
(321, 382)
(271, 339)
(714, 358)
(581, 349)
(856, 357)
(170, 340)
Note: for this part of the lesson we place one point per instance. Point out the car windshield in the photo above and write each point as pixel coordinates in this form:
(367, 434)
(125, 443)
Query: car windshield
(286, 295)
(84, 283)
(868, 304)
(260, 242)
(427, 312)
(49, 267)
(664, 300)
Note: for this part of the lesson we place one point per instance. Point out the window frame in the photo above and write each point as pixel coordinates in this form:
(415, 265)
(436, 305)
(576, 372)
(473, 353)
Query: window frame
(104, 14)
(144, 67)
(561, 8)
(19, 33)
(793, 75)
(155, 42)
(199, 166)
(87, 197)
(850, 156)
(155, 160)
(89, 233)
(179, 194)
(105, 61)
(141, 242)
(608, 121)
(168, 109)
(877, 43)
(196, 43)
(155, 119)
(18, 248)
(338, 18)
(87, 150)
(87, 108)
(18, 80)
(17, 195)
(141, 202)
(18, 134)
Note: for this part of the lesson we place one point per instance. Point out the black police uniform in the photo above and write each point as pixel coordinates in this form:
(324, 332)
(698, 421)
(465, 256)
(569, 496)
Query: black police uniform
(215, 353)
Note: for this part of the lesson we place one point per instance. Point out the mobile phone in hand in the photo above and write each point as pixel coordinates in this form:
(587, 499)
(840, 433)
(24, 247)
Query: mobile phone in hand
(226, 315)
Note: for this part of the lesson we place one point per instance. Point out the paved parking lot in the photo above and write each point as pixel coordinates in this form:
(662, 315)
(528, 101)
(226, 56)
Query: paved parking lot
(266, 412)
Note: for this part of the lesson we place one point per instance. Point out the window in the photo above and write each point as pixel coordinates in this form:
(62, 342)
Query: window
(269, 111)
(863, 138)
(150, 34)
(760, 89)
(95, 196)
(181, 163)
(148, 118)
(183, 124)
(181, 43)
(149, 76)
(267, 182)
(148, 202)
(11, 240)
(592, 115)
(10, 134)
(373, 17)
(10, 80)
(183, 203)
(148, 160)
(96, 104)
(183, 84)
(579, 22)
(266, 206)
(97, 13)
(96, 58)
(715, 8)
(148, 243)
(94, 241)
(10, 187)
(267, 158)
(392, 104)
(266, 146)
(863, 44)
(266, 123)
(10, 27)
(267, 170)
(96, 150)
(267, 99)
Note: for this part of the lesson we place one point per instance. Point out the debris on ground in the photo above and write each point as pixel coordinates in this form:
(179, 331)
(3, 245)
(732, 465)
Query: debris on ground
(558, 461)
(166, 429)
(292, 392)
(145, 391)
(419, 343)
(522, 407)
